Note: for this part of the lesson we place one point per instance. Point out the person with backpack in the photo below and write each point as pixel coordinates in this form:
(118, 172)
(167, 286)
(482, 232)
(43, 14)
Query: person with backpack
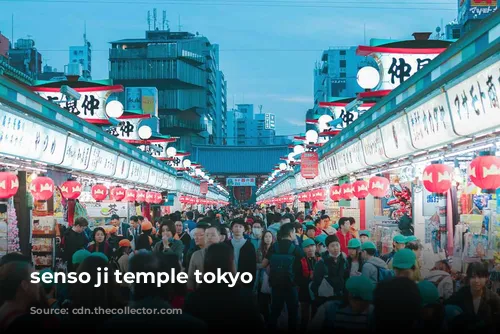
(440, 276)
(398, 243)
(353, 314)
(284, 259)
(373, 267)
(330, 273)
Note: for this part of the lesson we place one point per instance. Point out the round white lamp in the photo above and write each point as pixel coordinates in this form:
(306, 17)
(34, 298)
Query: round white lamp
(368, 77)
(186, 163)
(282, 166)
(114, 109)
(211, 181)
(291, 156)
(311, 136)
(145, 132)
(298, 149)
(171, 152)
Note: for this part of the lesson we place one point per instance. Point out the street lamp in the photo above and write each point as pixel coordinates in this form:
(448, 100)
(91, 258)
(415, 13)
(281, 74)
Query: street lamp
(282, 166)
(298, 149)
(368, 77)
(311, 136)
(291, 156)
(171, 152)
(186, 163)
(114, 109)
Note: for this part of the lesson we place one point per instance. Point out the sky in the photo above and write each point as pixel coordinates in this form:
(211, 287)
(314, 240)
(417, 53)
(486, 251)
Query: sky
(268, 48)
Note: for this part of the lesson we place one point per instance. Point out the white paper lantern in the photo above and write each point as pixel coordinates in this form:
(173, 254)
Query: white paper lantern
(171, 152)
(114, 109)
(368, 77)
(282, 166)
(298, 149)
(291, 156)
(145, 132)
(211, 181)
(311, 136)
(186, 163)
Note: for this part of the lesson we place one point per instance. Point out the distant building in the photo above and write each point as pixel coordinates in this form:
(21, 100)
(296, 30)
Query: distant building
(51, 74)
(82, 55)
(25, 58)
(183, 67)
(470, 14)
(335, 77)
(221, 109)
(4, 47)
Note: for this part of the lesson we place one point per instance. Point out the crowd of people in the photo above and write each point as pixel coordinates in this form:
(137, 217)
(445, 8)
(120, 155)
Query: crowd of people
(309, 274)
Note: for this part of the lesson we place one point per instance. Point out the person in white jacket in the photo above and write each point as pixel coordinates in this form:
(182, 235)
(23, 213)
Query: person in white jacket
(440, 275)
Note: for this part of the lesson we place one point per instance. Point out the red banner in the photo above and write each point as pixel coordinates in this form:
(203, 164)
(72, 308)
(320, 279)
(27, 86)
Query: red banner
(203, 188)
(309, 165)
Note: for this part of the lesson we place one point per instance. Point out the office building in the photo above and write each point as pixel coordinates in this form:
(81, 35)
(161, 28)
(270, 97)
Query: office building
(82, 55)
(221, 108)
(25, 57)
(183, 67)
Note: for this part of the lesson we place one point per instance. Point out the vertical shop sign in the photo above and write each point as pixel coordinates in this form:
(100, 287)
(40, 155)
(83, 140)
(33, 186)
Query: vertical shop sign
(309, 165)
(475, 102)
(102, 162)
(122, 168)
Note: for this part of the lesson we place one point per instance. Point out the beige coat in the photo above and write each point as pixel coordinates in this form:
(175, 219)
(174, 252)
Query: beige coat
(196, 263)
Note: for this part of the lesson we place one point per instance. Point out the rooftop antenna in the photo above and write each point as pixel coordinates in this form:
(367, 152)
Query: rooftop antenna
(149, 20)
(364, 34)
(180, 26)
(85, 32)
(12, 40)
(154, 18)
(165, 21)
(260, 108)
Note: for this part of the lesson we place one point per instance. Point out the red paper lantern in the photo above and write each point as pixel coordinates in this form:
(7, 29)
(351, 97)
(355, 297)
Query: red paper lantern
(360, 189)
(484, 172)
(150, 197)
(9, 184)
(347, 191)
(437, 178)
(158, 199)
(140, 196)
(117, 193)
(71, 189)
(42, 188)
(99, 192)
(378, 186)
(320, 194)
(335, 193)
(130, 195)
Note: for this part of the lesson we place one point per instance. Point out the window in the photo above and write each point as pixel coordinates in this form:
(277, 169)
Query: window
(342, 75)
(342, 52)
(343, 63)
(456, 33)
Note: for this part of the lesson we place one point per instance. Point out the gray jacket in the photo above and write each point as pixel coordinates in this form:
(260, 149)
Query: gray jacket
(444, 281)
(370, 268)
(176, 247)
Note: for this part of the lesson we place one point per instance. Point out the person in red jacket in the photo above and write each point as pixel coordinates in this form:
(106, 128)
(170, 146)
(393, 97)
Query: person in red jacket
(344, 234)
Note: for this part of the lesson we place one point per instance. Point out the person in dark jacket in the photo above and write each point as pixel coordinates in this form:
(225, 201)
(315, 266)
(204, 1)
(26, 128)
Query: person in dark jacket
(168, 244)
(99, 243)
(480, 306)
(122, 229)
(308, 262)
(284, 289)
(220, 306)
(74, 239)
(245, 257)
(333, 268)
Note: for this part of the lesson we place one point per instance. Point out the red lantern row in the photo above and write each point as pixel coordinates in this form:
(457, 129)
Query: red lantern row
(202, 201)
(100, 193)
(9, 184)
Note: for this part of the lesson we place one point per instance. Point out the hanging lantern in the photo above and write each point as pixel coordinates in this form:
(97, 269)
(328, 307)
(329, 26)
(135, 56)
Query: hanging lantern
(484, 172)
(130, 195)
(335, 193)
(42, 188)
(378, 186)
(71, 189)
(117, 193)
(99, 192)
(150, 197)
(9, 184)
(347, 191)
(321, 194)
(158, 198)
(437, 178)
(360, 189)
(140, 196)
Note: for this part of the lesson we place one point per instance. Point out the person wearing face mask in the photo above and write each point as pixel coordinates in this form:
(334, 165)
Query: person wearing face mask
(168, 244)
(256, 235)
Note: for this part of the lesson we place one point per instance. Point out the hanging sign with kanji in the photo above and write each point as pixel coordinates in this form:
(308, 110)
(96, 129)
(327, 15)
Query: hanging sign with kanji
(203, 188)
(309, 165)
(92, 103)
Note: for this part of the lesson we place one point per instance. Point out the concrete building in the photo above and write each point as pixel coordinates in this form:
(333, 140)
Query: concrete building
(25, 57)
(4, 47)
(183, 67)
(51, 74)
(82, 55)
(221, 109)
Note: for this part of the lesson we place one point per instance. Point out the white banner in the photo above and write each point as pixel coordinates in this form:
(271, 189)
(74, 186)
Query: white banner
(77, 154)
(122, 168)
(373, 148)
(475, 104)
(106, 209)
(396, 137)
(102, 162)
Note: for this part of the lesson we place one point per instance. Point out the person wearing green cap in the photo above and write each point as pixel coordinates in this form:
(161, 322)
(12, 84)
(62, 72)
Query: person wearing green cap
(374, 268)
(403, 263)
(433, 311)
(310, 230)
(354, 260)
(364, 235)
(416, 247)
(351, 315)
(320, 243)
(308, 263)
(79, 256)
(398, 242)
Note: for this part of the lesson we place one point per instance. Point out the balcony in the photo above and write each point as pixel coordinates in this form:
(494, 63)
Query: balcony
(172, 124)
